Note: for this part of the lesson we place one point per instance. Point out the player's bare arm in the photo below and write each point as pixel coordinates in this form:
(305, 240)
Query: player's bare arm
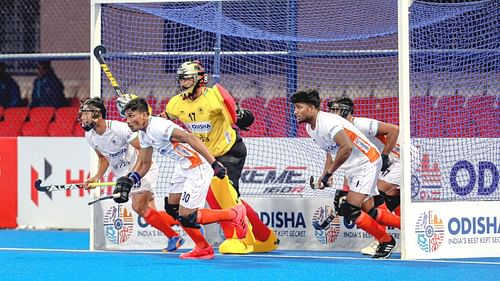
(145, 159)
(135, 143)
(345, 148)
(182, 136)
(102, 166)
(391, 133)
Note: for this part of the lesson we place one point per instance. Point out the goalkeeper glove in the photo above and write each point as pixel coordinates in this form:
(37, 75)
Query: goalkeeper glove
(219, 170)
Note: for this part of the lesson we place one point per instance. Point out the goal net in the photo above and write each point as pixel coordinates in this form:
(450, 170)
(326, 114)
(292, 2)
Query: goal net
(264, 51)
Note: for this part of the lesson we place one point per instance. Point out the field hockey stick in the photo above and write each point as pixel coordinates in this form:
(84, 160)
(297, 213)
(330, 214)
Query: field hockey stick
(313, 185)
(98, 52)
(104, 198)
(69, 186)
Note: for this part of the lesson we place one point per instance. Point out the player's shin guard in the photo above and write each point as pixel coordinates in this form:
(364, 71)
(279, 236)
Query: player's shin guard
(161, 221)
(368, 224)
(223, 196)
(384, 217)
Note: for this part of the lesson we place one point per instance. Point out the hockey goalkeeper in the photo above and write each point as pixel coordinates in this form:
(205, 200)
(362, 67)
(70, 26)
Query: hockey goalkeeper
(206, 115)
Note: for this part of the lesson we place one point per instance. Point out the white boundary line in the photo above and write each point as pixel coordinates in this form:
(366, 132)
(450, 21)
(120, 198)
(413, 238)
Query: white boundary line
(255, 255)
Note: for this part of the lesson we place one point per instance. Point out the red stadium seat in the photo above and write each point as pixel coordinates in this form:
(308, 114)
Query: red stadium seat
(13, 119)
(64, 122)
(153, 102)
(111, 109)
(456, 120)
(78, 131)
(278, 112)
(388, 110)
(258, 107)
(161, 106)
(1, 112)
(38, 123)
(365, 107)
(424, 120)
(485, 115)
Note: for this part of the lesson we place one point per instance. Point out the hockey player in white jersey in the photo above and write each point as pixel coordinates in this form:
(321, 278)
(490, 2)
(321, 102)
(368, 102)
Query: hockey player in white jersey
(194, 169)
(117, 149)
(385, 136)
(348, 148)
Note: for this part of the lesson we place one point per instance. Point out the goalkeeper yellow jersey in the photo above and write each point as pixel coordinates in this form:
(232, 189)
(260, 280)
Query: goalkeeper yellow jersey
(204, 118)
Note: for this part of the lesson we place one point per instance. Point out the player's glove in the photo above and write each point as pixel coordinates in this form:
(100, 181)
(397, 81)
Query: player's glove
(122, 189)
(219, 170)
(325, 178)
(385, 162)
(325, 223)
(340, 197)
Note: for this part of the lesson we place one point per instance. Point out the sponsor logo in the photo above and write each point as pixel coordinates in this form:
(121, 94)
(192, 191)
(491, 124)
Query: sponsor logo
(271, 180)
(427, 184)
(430, 232)
(330, 234)
(285, 224)
(474, 225)
(463, 178)
(200, 127)
(118, 224)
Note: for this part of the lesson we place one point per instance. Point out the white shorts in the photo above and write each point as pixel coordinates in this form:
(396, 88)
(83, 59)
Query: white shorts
(148, 182)
(193, 184)
(392, 174)
(363, 179)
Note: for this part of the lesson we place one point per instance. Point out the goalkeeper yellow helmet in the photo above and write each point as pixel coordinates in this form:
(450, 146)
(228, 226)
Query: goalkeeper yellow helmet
(191, 69)
(123, 100)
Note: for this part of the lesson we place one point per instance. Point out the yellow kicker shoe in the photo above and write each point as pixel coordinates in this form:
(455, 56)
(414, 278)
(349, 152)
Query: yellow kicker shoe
(269, 245)
(235, 246)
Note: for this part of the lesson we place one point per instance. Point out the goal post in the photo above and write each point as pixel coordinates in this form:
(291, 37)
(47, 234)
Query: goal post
(421, 65)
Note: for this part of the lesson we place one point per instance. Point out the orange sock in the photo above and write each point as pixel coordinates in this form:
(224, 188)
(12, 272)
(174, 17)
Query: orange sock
(260, 231)
(207, 216)
(368, 224)
(161, 221)
(226, 226)
(397, 211)
(385, 217)
(197, 237)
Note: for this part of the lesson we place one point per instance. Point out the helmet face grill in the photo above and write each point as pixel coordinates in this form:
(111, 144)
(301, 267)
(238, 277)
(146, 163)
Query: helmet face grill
(339, 108)
(191, 70)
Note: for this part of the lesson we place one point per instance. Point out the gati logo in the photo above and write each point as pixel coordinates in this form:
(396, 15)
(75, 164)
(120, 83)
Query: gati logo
(329, 235)
(426, 184)
(118, 224)
(430, 232)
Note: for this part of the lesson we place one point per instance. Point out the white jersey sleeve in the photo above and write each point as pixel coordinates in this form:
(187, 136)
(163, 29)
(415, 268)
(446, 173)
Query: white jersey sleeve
(328, 125)
(114, 145)
(158, 135)
(367, 126)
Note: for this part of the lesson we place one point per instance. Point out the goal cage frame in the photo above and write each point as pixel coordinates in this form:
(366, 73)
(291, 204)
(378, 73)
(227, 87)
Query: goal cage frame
(410, 211)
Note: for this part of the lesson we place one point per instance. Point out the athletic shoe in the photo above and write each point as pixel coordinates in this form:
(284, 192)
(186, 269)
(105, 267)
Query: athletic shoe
(197, 253)
(174, 243)
(370, 249)
(240, 221)
(384, 250)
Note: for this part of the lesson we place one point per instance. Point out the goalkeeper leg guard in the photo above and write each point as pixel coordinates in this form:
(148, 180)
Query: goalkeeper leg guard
(265, 238)
(223, 195)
